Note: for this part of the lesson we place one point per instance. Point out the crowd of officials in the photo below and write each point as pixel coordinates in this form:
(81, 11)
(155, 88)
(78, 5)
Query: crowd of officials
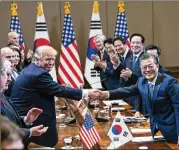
(28, 90)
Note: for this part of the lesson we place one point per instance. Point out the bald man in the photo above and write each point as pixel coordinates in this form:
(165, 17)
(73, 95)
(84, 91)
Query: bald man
(13, 38)
(35, 88)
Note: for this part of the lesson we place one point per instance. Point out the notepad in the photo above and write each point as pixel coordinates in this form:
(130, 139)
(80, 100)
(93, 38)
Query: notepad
(135, 131)
(147, 139)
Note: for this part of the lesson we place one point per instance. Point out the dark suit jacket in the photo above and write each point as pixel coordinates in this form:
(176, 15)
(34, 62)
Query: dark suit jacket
(164, 70)
(35, 87)
(163, 107)
(10, 112)
(10, 86)
(103, 76)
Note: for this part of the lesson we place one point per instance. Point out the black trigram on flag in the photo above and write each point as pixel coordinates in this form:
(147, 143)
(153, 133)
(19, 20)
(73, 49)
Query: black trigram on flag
(95, 24)
(125, 133)
(41, 26)
(95, 73)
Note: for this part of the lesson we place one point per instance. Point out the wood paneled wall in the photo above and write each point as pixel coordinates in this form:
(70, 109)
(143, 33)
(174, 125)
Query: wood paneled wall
(157, 21)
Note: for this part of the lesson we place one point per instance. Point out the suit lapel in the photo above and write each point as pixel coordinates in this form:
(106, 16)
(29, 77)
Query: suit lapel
(147, 98)
(157, 86)
(12, 109)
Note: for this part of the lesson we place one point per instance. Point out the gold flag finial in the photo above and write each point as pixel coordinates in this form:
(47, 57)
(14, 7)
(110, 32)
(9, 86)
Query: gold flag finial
(96, 7)
(39, 9)
(121, 6)
(14, 9)
(67, 8)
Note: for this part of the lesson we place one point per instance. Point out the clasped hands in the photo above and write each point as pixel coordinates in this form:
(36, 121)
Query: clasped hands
(98, 63)
(97, 95)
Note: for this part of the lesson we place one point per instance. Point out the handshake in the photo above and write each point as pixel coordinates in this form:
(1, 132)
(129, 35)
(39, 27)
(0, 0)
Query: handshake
(98, 95)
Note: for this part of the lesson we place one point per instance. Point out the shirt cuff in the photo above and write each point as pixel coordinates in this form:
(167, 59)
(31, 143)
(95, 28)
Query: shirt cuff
(30, 133)
(108, 95)
(27, 123)
(84, 94)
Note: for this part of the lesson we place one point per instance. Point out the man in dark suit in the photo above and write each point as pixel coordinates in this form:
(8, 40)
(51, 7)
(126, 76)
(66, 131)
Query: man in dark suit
(35, 87)
(128, 68)
(156, 50)
(160, 92)
(112, 81)
(101, 59)
(8, 54)
(8, 110)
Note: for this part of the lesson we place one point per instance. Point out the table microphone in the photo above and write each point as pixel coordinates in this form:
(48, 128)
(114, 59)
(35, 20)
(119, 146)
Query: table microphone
(70, 120)
(101, 119)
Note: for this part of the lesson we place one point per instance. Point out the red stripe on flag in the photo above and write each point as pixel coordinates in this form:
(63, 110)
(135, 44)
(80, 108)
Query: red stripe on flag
(75, 46)
(85, 139)
(67, 76)
(60, 79)
(128, 43)
(71, 68)
(73, 57)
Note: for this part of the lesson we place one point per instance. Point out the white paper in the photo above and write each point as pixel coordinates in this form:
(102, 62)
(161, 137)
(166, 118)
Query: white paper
(117, 108)
(110, 102)
(41, 148)
(147, 139)
(135, 130)
(132, 117)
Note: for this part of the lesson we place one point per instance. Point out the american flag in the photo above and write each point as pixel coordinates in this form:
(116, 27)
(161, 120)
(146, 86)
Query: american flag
(121, 29)
(15, 26)
(88, 133)
(69, 71)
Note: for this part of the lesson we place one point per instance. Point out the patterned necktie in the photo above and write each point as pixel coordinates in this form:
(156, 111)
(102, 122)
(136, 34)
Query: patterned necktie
(151, 89)
(133, 61)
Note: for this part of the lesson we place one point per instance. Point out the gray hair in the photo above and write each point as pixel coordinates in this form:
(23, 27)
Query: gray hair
(100, 36)
(147, 56)
(4, 66)
(42, 51)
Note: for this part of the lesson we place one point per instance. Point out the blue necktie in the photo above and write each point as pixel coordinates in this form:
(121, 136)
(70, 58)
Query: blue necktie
(133, 61)
(122, 59)
(151, 89)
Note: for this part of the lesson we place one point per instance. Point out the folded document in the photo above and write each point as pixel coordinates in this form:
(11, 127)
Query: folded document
(147, 139)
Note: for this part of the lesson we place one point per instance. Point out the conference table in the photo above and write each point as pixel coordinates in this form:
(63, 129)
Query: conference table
(72, 131)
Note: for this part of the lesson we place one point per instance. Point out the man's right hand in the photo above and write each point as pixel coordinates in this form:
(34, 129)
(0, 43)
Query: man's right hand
(38, 130)
(95, 58)
(115, 60)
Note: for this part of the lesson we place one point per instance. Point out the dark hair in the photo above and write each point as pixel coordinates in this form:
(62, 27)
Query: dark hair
(147, 56)
(8, 129)
(138, 34)
(119, 39)
(19, 65)
(152, 47)
(109, 41)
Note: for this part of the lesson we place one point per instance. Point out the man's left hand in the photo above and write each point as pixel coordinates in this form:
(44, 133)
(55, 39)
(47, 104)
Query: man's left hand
(178, 141)
(33, 114)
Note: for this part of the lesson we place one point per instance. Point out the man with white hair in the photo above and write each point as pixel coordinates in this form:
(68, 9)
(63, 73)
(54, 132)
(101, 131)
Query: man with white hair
(13, 38)
(8, 54)
(36, 88)
(8, 110)
(101, 58)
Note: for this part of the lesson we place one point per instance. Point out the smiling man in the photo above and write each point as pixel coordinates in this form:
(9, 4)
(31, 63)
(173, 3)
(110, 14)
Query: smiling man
(160, 93)
(35, 87)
